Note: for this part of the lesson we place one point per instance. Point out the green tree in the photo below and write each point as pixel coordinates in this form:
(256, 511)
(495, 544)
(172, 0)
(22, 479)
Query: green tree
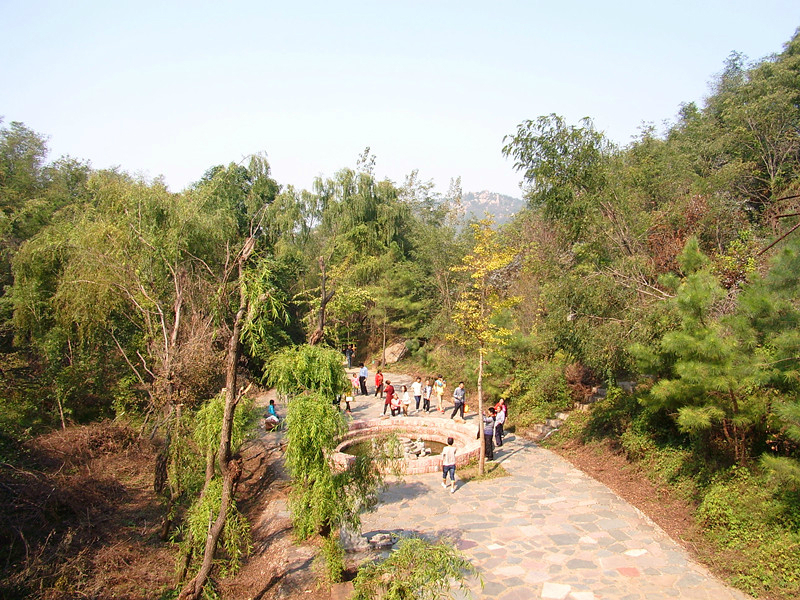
(563, 166)
(323, 497)
(717, 380)
(252, 307)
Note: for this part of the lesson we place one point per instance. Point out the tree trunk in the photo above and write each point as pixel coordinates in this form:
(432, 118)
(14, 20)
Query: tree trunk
(319, 332)
(482, 459)
(231, 469)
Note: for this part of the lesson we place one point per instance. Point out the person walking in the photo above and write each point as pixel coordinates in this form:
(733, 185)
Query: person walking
(387, 401)
(449, 465)
(488, 432)
(438, 390)
(426, 395)
(379, 383)
(416, 388)
(459, 397)
(362, 378)
(499, 420)
(348, 353)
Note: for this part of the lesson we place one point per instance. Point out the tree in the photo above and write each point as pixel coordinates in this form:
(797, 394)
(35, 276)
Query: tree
(717, 380)
(249, 311)
(138, 269)
(563, 166)
(482, 301)
(323, 498)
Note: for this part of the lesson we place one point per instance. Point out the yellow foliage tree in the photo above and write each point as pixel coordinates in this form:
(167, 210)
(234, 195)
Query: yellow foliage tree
(476, 310)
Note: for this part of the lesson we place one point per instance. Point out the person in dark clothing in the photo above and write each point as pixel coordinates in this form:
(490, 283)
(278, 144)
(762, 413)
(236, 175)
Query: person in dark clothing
(362, 378)
(459, 397)
(488, 432)
(348, 353)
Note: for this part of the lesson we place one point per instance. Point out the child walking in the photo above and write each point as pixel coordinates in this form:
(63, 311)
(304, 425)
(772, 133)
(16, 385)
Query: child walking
(449, 465)
(426, 395)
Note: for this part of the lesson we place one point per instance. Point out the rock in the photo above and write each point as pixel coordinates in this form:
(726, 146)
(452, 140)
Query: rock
(381, 540)
(352, 540)
(342, 591)
(395, 352)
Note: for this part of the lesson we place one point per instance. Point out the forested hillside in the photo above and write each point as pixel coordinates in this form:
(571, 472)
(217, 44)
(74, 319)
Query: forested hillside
(673, 262)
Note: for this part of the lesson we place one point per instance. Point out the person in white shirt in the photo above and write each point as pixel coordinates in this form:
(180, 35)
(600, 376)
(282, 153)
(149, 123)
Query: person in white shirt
(363, 373)
(449, 465)
(416, 389)
(405, 401)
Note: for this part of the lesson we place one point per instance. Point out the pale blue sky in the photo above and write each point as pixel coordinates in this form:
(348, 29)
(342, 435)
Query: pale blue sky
(172, 88)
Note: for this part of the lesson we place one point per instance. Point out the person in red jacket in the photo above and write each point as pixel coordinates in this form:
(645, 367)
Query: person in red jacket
(379, 383)
(387, 401)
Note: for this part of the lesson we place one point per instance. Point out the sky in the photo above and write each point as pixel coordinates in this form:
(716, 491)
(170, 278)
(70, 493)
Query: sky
(168, 88)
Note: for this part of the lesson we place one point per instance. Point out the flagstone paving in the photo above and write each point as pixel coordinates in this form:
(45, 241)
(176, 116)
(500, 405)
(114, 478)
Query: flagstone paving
(548, 531)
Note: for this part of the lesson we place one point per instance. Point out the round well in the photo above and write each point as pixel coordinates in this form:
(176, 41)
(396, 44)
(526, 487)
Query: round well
(436, 430)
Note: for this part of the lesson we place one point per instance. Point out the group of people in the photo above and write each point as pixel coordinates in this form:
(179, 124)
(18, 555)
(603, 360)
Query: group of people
(494, 419)
(422, 393)
(429, 396)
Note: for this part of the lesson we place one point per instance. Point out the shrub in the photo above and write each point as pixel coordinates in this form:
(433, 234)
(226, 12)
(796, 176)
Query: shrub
(746, 518)
(537, 394)
(417, 569)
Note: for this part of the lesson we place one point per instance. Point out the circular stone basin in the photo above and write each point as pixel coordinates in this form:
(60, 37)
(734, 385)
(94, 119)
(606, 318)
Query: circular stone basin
(434, 430)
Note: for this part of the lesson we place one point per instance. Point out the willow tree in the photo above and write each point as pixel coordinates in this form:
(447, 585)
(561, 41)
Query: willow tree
(323, 498)
(133, 272)
(258, 301)
(475, 313)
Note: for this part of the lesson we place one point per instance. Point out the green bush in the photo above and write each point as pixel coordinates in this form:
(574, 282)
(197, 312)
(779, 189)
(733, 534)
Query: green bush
(536, 394)
(416, 570)
(333, 559)
(636, 445)
(746, 518)
(612, 415)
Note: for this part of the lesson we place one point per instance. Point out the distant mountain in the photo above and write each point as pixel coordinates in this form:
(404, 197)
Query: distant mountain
(502, 208)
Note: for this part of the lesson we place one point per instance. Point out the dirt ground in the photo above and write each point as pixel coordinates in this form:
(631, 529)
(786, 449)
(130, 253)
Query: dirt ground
(80, 518)
(277, 567)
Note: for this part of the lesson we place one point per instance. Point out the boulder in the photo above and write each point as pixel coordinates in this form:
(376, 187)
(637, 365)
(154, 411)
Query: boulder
(395, 352)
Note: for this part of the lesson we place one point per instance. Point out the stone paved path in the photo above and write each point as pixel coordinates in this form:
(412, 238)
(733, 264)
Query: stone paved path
(548, 531)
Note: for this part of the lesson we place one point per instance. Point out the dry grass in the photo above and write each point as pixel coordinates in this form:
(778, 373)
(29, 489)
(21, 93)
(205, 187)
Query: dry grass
(492, 470)
(81, 519)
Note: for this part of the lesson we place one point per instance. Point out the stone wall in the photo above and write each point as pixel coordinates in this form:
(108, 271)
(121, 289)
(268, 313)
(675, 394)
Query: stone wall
(436, 430)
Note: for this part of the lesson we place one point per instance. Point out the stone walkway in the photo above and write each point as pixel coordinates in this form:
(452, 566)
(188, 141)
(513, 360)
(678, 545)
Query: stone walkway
(547, 531)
